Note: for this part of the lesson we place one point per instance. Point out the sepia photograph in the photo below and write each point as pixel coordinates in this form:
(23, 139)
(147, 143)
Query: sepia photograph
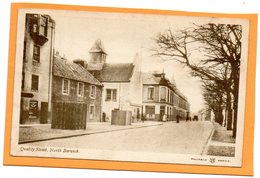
(133, 87)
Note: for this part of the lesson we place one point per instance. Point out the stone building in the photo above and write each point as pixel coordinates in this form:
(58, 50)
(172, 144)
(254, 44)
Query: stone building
(73, 87)
(161, 97)
(36, 70)
(122, 82)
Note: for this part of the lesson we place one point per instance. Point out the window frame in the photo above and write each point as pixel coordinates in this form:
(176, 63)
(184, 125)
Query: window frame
(36, 57)
(78, 87)
(43, 24)
(23, 80)
(160, 94)
(62, 89)
(91, 91)
(153, 93)
(92, 105)
(113, 94)
(32, 83)
(24, 50)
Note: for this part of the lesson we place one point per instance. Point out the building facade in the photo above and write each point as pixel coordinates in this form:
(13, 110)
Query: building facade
(161, 99)
(74, 86)
(181, 105)
(122, 84)
(36, 73)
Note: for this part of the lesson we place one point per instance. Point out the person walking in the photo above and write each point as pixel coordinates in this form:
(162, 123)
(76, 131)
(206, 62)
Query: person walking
(143, 118)
(177, 118)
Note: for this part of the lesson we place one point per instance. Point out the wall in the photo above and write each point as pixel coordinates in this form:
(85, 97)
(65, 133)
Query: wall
(145, 93)
(41, 69)
(57, 96)
(136, 84)
(122, 101)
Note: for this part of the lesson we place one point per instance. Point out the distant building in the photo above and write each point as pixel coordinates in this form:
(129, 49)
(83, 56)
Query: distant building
(122, 82)
(74, 86)
(160, 97)
(206, 115)
(36, 72)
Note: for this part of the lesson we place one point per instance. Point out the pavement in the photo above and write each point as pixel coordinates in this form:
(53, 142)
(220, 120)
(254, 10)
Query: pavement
(44, 132)
(221, 143)
(155, 138)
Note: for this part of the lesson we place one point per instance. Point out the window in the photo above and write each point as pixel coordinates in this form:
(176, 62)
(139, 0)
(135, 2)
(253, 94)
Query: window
(111, 95)
(36, 53)
(168, 95)
(65, 87)
(162, 110)
(150, 93)
(92, 91)
(23, 77)
(24, 50)
(150, 112)
(43, 26)
(91, 112)
(35, 83)
(35, 26)
(80, 89)
(163, 94)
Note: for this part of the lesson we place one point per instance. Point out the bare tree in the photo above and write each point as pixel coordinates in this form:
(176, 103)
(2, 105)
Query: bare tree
(219, 46)
(222, 43)
(214, 99)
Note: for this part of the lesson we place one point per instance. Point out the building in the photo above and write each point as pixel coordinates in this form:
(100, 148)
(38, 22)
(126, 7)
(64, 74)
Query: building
(122, 82)
(36, 70)
(75, 94)
(206, 114)
(161, 97)
(180, 104)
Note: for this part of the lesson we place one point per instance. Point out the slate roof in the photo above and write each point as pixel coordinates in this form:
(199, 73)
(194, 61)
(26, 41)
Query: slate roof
(70, 70)
(180, 94)
(116, 72)
(150, 79)
(94, 67)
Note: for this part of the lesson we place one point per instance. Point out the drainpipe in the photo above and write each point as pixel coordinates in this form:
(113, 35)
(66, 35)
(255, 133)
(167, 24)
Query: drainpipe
(50, 73)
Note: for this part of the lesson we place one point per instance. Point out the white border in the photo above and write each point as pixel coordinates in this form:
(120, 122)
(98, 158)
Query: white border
(234, 6)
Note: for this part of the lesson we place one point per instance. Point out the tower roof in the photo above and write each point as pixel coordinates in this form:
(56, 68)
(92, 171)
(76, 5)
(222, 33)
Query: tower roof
(98, 47)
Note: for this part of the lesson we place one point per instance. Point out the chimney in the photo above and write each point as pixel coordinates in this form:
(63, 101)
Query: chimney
(81, 62)
(163, 75)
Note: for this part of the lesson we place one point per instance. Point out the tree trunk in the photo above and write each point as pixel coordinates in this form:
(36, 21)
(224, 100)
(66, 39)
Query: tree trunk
(229, 111)
(235, 94)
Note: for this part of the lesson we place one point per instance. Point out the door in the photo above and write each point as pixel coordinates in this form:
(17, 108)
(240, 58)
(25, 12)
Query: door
(44, 113)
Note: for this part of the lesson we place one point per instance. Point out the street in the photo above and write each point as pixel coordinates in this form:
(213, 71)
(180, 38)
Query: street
(182, 138)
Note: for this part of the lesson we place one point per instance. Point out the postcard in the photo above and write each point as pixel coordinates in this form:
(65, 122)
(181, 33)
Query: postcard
(130, 89)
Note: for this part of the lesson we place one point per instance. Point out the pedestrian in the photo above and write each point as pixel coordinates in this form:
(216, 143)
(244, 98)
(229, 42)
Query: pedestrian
(177, 118)
(103, 116)
(164, 118)
(143, 118)
(138, 114)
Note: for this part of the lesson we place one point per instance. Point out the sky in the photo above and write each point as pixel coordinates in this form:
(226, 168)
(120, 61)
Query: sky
(125, 35)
